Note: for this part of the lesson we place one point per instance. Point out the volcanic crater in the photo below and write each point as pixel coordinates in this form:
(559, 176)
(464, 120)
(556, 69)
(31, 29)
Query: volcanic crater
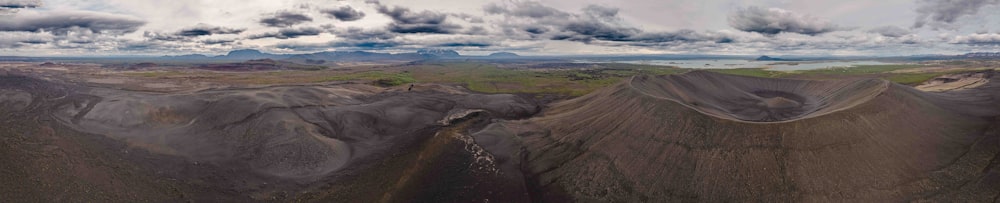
(750, 99)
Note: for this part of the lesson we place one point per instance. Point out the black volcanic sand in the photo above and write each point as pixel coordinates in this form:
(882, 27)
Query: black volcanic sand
(710, 137)
(67, 142)
(698, 136)
(759, 99)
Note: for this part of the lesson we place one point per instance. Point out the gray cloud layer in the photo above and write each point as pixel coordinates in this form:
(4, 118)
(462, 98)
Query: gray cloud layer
(287, 33)
(407, 21)
(204, 29)
(61, 22)
(890, 31)
(16, 4)
(773, 21)
(507, 25)
(595, 25)
(12, 6)
(345, 13)
(525, 9)
(285, 19)
(189, 34)
(944, 13)
(983, 39)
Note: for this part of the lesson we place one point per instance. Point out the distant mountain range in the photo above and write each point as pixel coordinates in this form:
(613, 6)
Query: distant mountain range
(503, 54)
(335, 56)
(768, 58)
(982, 55)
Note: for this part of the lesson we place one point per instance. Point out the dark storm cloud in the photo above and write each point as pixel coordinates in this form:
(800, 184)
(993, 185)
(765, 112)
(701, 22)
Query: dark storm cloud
(13, 6)
(345, 13)
(943, 13)
(188, 34)
(890, 31)
(773, 21)
(536, 29)
(598, 22)
(595, 24)
(525, 9)
(218, 41)
(407, 21)
(18, 4)
(204, 29)
(60, 23)
(285, 19)
(589, 30)
(287, 33)
(464, 44)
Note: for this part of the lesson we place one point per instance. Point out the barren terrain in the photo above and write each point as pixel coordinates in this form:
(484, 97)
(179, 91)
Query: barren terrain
(397, 133)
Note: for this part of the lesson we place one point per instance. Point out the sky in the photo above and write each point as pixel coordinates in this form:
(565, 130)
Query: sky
(477, 27)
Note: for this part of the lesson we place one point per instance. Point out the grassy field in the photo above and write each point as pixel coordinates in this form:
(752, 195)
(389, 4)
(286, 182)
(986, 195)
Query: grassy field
(491, 79)
(859, 70)
(912, 78)
(755, 72)
(381, 78)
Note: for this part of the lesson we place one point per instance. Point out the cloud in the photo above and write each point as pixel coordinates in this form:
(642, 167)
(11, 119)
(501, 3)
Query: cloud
(218, 41)
(285, 19)
(588, 30)
(20, 3)
(593, 25)
(468, 17)
(205, 29)
(680, 36)
(345, 13)
(288, 33)
(598, 22)
(524, 9)
(345, 45)
(163, 36)
(60, 22)
(407, 21)
(12, 6)
(354, 38)
(363, 34)
(188, 34)
(983, 39)
(944, 13)
(21, 39)
(465, 44)
(890, 31)
(774, 20)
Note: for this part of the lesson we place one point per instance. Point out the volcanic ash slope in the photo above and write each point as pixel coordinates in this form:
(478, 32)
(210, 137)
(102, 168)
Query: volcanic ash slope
(277, 143)
(705, 136)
